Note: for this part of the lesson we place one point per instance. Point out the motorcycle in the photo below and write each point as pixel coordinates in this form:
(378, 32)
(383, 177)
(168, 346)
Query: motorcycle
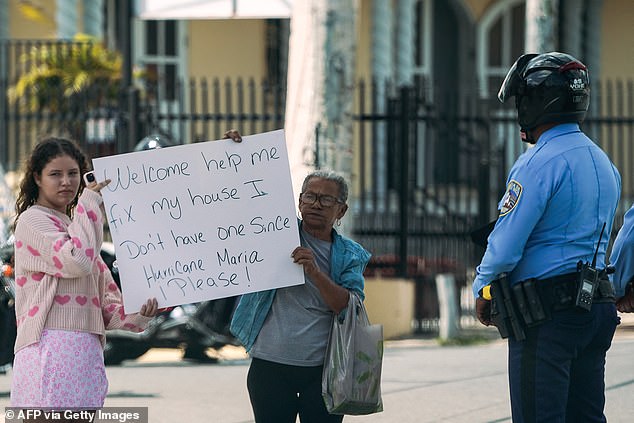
(192, 327)
(8, 328)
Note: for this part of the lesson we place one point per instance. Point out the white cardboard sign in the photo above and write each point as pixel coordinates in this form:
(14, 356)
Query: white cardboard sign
(202, 221)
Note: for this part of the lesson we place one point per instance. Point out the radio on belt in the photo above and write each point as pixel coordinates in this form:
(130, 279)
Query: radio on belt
(588, 279)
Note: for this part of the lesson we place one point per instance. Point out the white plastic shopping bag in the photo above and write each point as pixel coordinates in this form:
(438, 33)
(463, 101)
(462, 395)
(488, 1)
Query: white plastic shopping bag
(351, 382)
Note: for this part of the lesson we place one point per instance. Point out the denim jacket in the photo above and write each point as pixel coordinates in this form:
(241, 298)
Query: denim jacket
(347, 263)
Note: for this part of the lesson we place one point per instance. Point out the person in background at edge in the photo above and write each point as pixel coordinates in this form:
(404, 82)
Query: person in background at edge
(65, 295)
(559, 195)
(622, 259)
(286, 330)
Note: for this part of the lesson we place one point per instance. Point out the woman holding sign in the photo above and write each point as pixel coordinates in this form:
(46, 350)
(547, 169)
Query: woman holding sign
(65, 295)
(286, 330)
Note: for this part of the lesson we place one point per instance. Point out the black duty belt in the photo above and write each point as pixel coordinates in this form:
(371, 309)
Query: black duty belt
(531, 302)
(559, 292)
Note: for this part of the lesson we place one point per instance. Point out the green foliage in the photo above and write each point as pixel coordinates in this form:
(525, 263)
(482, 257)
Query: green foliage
(364, 357)
(465, 340)
(364, 376)
(60, 71)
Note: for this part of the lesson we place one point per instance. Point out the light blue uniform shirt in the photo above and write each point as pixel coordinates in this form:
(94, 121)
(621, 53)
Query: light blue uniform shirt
(622, 257)
(559, 194)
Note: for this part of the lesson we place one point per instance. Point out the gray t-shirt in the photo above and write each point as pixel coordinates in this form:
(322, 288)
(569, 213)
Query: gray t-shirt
(296, 329)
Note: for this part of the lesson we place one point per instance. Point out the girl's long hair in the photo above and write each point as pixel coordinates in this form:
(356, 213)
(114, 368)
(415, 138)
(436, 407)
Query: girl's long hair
(45, 151)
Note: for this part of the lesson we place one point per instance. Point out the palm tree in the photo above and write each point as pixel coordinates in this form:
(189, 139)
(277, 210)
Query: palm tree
(61, 75)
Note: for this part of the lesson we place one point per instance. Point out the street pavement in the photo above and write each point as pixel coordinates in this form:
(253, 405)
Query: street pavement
(422, 382)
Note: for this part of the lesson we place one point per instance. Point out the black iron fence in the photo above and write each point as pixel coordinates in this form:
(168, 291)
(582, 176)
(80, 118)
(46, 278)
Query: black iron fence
(428, 168)
(427, 176)
(429, 172)
(105, 116)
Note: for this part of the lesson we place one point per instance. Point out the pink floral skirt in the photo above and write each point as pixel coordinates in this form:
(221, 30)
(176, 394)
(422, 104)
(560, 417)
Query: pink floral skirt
(64, 370)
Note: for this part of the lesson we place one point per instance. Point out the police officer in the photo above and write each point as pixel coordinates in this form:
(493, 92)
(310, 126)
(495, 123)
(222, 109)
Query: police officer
(559, 195)
(622, 259)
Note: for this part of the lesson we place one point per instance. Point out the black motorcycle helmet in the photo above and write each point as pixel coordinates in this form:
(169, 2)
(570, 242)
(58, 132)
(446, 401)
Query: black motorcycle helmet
(154, 141)
(549, 87)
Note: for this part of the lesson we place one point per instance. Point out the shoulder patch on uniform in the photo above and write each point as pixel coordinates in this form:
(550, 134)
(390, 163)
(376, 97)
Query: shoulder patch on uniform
(511, 197)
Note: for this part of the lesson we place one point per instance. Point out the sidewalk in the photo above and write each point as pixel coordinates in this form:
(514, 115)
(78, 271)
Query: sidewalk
(230, 353)
(422, 382)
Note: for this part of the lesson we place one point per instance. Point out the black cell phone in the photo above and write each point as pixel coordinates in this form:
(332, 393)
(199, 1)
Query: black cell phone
(89, 177)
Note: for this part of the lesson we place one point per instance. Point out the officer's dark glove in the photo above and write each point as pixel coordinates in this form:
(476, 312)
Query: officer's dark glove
(483, 311)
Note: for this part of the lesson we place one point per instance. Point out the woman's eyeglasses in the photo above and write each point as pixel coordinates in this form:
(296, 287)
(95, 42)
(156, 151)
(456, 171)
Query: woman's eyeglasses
(324, 200)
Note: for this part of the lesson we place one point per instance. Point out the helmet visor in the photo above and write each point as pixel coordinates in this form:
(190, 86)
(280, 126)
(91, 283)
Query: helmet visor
(513, 80)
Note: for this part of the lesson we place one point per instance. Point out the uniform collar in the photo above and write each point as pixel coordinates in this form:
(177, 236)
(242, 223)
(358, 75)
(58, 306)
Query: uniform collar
(557, 131)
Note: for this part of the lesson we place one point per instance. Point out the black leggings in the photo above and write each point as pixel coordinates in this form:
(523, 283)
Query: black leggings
(279, 392)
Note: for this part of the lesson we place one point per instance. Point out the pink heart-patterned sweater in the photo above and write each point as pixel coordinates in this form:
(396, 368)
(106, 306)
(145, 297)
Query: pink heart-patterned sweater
(61, 281)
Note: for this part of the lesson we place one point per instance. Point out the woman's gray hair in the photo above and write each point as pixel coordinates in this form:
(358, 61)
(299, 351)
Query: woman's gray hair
(329, 175)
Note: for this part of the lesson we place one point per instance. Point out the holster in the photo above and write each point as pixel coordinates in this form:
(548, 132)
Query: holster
(504, 312)
(529, 303)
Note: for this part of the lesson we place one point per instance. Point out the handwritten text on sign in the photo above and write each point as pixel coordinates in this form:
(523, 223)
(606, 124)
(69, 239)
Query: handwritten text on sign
(202, 221)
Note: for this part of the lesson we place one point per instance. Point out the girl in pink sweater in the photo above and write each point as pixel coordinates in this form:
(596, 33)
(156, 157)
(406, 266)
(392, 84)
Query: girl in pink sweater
(65, 295)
